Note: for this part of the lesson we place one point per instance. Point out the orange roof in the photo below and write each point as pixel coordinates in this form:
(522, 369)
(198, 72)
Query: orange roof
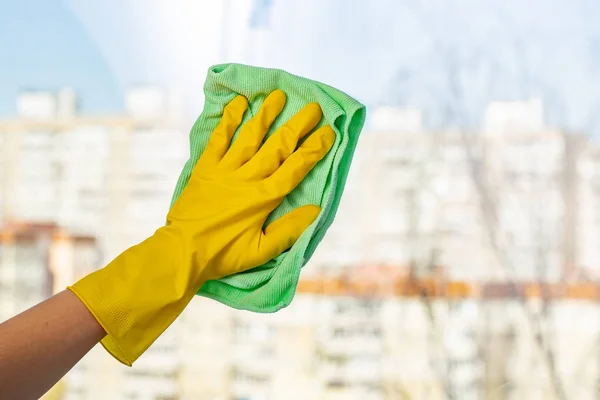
(397, 286)
(19, 230)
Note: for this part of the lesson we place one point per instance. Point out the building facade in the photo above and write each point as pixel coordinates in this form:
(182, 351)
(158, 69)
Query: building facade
(485, 216)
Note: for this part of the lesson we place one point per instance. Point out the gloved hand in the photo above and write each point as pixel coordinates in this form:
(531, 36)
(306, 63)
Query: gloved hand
(214, 229)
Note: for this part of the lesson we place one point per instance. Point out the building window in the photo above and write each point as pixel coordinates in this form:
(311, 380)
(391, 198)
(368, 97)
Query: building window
(336, 384)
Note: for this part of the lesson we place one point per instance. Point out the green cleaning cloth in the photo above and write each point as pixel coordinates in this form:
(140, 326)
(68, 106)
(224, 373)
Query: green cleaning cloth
(272, 286)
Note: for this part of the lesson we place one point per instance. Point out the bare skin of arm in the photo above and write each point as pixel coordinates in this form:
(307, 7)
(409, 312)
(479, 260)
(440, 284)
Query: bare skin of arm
(39, 346)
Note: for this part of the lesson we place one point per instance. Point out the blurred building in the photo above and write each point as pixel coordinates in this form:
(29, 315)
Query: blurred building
(518, 203)
(109, 178)
(373, 335)
(588, 216)
(24, 272)
(425, 287)
(36, 259)
(514, 116)
(104, 176)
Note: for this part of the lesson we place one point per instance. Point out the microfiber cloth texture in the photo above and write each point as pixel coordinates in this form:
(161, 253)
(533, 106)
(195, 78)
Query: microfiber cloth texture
(272, 286)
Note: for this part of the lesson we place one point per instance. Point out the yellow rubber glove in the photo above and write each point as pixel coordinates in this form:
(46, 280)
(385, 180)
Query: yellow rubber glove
(214, 229)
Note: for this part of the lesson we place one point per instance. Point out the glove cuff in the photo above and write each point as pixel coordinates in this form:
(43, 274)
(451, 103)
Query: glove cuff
(139, 294)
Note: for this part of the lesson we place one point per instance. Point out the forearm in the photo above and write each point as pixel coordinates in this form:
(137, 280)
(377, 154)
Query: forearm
(40, 345)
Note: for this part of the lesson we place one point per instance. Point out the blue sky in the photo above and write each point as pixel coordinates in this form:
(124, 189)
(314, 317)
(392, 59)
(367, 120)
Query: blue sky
(43, 46)
(450, 58)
